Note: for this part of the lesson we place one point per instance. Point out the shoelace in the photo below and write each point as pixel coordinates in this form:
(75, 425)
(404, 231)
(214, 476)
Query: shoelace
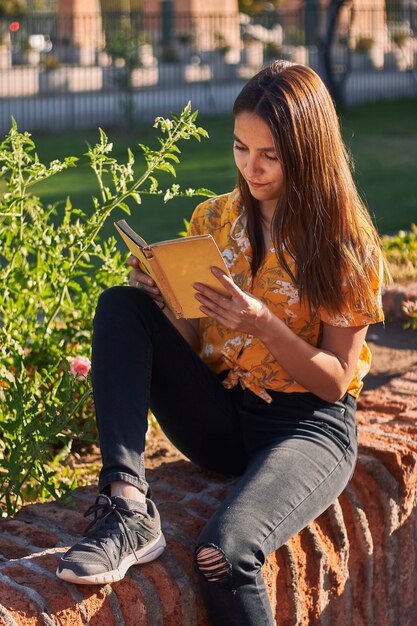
(102, 509)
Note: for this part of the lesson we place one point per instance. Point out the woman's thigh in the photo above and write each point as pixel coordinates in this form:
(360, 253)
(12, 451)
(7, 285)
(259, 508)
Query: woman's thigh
(189, 401)
(286, 485)
(157, 368)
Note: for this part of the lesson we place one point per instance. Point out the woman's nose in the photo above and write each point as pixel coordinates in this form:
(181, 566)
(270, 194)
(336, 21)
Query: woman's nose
(252, 166)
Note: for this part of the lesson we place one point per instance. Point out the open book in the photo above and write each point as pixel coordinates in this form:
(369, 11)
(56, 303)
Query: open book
(175, 265)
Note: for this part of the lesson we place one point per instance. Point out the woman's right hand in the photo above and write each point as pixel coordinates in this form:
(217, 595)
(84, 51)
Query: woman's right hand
(140, 280)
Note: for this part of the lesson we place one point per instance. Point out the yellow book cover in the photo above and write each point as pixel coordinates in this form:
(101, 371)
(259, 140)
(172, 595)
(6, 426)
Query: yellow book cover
(175, 265)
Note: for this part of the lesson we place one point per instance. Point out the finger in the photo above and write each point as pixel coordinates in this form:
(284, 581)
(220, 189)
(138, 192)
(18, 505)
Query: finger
(226, 281)
(141, 281)
(150, 291)
(221, 306)
(133, 261)
(137, 274)
(210, 298)
(218, 316)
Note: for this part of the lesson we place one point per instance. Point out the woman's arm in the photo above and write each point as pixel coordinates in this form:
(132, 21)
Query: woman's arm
(325, 370)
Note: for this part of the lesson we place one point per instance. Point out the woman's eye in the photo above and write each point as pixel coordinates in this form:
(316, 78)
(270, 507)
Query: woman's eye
(235, 147)
(271, 158)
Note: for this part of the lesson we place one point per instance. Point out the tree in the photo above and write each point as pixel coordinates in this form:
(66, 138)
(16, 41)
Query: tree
(12, 7)
(117, 6)
(254, 7)
(334, 84)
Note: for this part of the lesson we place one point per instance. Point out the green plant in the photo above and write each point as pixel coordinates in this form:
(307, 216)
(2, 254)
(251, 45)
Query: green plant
(400, 38)
(25, 45)
(170, 54)
(186, 39)
(294, 37)
(50, 62)
(125, 42)
(221, 43)
(364, 44)
(53, 267)
(272, 50)
(410, 310)
(401, 252)
(13, 8)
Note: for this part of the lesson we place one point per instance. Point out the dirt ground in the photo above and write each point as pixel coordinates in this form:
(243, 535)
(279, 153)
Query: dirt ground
(394, 352)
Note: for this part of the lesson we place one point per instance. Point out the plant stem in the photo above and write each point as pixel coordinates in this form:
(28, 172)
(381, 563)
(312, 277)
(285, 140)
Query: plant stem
(157, 161)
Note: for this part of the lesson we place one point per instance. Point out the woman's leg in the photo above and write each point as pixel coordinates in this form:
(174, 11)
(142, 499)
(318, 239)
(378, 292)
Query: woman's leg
(138, 355)
(285, 486)
(139, 359)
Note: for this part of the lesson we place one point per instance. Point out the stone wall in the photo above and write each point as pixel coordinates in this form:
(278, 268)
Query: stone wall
(353, 566)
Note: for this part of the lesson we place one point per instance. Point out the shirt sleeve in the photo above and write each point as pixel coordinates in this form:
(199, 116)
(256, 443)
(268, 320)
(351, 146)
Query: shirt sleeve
(355, 314)
(195, 225)
(206, 216)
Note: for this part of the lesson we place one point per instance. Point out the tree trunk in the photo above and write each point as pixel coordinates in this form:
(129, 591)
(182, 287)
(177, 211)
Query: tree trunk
(334, 85)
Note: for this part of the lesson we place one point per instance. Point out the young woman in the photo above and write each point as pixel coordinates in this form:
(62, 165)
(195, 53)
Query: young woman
(279, 362)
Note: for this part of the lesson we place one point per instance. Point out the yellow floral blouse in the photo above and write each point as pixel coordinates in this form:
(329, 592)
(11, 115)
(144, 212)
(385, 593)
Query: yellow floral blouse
(247, 359)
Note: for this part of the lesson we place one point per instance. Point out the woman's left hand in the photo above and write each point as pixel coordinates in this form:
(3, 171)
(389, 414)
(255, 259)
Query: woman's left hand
(239, 311)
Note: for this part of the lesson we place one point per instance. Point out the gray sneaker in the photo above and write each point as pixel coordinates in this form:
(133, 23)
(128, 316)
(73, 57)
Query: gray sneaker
(123, 533)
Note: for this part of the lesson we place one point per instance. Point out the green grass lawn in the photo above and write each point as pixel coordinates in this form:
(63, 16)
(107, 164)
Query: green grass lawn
(382, 138)
(207, 164)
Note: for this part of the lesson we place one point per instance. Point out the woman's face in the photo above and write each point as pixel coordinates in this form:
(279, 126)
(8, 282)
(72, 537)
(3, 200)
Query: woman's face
(257, 159)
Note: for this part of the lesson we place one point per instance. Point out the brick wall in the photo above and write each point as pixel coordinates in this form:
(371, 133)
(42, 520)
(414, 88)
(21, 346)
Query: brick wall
(353, 566)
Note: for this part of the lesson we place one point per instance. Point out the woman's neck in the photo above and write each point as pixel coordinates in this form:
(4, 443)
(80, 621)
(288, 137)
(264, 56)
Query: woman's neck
(266, 230)
(267, 210)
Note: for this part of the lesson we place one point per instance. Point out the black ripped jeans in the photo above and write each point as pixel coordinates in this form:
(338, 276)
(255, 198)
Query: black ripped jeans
(294, 456)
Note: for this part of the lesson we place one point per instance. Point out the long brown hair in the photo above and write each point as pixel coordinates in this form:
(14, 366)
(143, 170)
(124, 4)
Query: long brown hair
(320, 219)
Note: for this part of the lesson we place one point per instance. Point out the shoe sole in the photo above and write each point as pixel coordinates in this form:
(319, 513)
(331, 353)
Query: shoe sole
(147, 554)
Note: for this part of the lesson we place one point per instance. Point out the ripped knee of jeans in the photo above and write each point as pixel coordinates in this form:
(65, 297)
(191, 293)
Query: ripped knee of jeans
(212, 563)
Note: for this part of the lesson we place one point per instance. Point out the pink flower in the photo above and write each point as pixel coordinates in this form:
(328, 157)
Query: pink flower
(410, 308)
(79, 367)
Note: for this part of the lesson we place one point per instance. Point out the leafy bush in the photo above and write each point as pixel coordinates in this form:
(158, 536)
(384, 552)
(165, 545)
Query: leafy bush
(53, 267)
(400, 38)
(401, 251)
(364, 44)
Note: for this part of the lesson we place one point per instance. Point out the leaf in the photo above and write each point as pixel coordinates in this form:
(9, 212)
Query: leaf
(173, 157)
(75, 286)
(167, 167)
(136, 196)
(103, 136)
(124, 207)
(202, 191)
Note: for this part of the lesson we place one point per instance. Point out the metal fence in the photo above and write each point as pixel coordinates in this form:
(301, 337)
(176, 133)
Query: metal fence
(71, 71)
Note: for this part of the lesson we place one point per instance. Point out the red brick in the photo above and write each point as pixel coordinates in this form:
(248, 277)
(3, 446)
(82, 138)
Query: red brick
(33, 534)
(345, 560)
(23, 610)
(66, 518)
(12, 550)
(58, 598)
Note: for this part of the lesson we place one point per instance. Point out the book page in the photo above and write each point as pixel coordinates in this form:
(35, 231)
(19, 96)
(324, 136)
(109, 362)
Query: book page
(137, 251)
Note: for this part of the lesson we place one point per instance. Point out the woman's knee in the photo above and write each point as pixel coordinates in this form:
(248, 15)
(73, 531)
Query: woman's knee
(122, 297)
(213, 564)
(220, 558)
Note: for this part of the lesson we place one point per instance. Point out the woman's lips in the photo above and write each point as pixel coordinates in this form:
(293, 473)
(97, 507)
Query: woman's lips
(256, 185)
